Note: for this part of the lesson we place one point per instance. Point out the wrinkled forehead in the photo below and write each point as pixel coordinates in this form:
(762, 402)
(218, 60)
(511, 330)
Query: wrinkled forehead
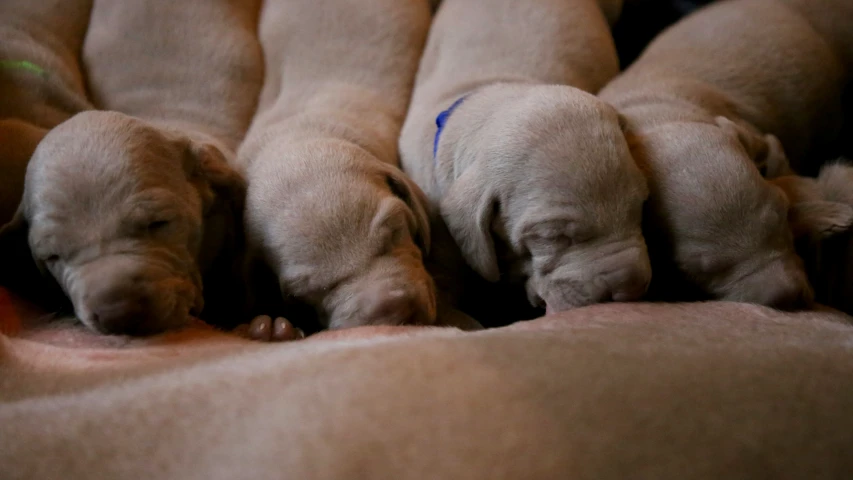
(101, 164)
(592, 168)
(337, 213)
(74, 176)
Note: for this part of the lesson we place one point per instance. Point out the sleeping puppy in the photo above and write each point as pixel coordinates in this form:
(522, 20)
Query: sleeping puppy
(131, 213)
(41, 81)
(529, 170)
(735, 86)
(328, 209)
(125, 216)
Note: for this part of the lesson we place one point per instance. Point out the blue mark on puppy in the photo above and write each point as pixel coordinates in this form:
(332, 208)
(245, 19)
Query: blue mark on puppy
(440, 121)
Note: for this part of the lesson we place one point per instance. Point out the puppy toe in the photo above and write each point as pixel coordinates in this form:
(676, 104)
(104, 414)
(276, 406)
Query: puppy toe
(284, 331)
(261, 328)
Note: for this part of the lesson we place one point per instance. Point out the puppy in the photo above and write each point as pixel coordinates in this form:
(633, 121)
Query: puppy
(709, 100)
(328, 209)
(126, 216)
(41, 81)
(530, 172)
(131, 213)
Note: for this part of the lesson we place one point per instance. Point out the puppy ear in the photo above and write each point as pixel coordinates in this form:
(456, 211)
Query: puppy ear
(766, 151)
(623, 122)
(19, 272)
(208, 163)
(415, 198)
(819, 219)
(468, 211)
(14, 243)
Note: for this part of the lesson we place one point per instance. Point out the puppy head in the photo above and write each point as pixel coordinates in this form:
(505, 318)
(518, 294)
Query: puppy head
(724, 227)
(551, 181)
(344, 232)
(114, 210)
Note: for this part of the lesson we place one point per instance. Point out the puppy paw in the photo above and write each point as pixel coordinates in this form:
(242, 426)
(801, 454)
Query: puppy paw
(263, 328)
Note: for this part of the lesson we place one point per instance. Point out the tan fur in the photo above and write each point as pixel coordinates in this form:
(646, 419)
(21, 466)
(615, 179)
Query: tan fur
(195, 65)
(686, 392)
(126, 216)
(712, 96)
(530, 163)
(128, 211)
(49, 36)
(328, 209)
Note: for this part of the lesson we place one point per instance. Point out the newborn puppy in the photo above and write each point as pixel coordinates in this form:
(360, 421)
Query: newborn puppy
(709, 101)
(129, 211)
(126, 216)
(41, 81)
(530, 171)
(328, 209)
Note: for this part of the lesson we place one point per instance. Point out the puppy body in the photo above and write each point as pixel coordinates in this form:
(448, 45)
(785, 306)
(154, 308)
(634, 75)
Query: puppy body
(700, 103)
(41, 81)
(129, 211)
(328, 209)
(195, 65)
(40, 73)
(526, 169)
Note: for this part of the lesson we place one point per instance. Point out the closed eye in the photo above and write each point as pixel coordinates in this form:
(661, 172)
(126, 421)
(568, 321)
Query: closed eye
(158, 225)
(393, 238)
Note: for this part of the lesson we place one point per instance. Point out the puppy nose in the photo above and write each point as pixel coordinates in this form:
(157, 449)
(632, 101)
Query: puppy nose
(395, 307)
(632, 283)
(125, 316)
(792, 291)
(792, 298)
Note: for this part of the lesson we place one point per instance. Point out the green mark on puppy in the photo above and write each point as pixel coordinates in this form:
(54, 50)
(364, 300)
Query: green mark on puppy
(22, 65)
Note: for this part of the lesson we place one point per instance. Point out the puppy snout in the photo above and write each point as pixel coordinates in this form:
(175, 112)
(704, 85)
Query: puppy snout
(132, 309)
(123, 316)
(631, 282)
(782, 284)
(791, 299)
(395, 307)
(794, 293)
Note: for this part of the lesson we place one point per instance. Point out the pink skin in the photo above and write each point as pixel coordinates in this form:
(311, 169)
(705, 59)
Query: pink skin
(68, 348)
(32, 342)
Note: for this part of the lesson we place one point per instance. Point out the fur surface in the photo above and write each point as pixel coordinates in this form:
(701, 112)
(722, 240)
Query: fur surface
(328, 209)
(737, 85)
(130, 208)
(526, 171)
(705, 391)
(41, 79)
